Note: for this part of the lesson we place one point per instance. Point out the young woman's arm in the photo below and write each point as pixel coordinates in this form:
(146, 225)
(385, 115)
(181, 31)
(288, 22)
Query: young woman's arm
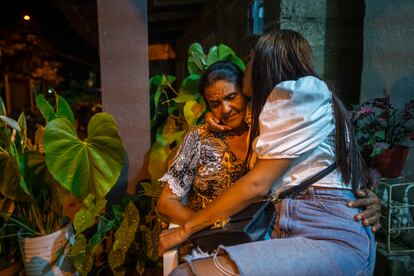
(247, 189)
(169, 205)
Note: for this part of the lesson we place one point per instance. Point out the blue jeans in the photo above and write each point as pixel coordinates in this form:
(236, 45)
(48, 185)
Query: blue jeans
(316, 235)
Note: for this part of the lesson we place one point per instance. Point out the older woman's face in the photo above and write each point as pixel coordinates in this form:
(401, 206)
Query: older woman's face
(227, 103)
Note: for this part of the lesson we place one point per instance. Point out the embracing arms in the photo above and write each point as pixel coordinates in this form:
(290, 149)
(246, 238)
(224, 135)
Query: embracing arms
(244, 191)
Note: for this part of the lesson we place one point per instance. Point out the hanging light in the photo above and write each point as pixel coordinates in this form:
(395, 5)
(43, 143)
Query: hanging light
(26, 17)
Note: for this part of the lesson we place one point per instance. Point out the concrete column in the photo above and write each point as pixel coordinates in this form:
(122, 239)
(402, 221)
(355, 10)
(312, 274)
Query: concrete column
(123, 45)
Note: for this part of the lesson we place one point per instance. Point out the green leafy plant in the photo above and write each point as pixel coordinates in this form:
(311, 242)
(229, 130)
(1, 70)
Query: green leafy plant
(380, 126)
(35, 179)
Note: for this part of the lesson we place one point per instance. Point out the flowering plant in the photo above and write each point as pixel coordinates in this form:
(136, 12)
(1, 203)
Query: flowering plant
(380, 126)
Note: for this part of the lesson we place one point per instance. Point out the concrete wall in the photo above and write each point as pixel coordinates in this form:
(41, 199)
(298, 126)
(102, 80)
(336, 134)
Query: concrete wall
(388, 57)
(223, 22)
(334, 31)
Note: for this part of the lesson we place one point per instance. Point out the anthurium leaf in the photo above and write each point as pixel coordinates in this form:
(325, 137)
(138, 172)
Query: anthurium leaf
(196, 59)
(238, 62)
(189, 86)
(213, 55)
(165, 81)
(2, 108)
(89, 166)
(81, 257)
(192, 111)
(12, 184)
(63, 109)
(158, 157)
(10, 122)
(224, 52)
(124, 236)
(45, 108)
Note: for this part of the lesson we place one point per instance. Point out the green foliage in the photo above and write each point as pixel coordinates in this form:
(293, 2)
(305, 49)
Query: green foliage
(174, 113)
(85, 217)
(123, 219)
(34, 179)
(124, 236)
(67, 156)
(62, 109)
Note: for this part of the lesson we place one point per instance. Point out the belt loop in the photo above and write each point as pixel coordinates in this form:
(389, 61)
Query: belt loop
(311, 191)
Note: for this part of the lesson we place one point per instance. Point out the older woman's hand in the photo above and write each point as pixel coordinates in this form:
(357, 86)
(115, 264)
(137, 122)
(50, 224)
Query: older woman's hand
(171, 238)
(213, 123)
(372, 209)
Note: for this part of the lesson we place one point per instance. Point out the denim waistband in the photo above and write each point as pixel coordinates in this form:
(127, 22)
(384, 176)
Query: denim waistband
(312, 193)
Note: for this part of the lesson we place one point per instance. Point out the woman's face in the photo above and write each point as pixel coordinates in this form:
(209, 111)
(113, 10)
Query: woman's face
(247, 77)
(227, 103)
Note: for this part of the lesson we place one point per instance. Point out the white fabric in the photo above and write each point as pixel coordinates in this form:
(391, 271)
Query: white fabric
(297, 122)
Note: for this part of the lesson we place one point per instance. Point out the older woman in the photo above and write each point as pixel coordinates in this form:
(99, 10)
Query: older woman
(207, 162)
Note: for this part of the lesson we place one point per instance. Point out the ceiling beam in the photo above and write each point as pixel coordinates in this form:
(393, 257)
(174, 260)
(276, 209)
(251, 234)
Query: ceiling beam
(171, 3)
(170, 15)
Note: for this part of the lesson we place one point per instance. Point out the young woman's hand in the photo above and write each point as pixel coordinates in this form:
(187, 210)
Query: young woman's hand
(372, 209)
(213, 123)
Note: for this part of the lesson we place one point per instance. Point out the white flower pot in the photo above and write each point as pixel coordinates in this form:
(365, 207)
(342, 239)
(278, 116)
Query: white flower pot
(40, 253)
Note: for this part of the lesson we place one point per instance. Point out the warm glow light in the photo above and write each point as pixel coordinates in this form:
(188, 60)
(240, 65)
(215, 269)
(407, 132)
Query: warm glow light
(26, 17)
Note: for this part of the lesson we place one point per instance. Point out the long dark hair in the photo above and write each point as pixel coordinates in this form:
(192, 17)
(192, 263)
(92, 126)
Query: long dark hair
(286, 55)
(221, 70)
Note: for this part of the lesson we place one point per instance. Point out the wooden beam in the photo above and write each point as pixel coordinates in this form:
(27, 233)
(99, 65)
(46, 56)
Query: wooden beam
(171, 3)
(170, 15)
(123, 44)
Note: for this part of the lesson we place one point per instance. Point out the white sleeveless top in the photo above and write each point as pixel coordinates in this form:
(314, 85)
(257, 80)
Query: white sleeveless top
(297, 122)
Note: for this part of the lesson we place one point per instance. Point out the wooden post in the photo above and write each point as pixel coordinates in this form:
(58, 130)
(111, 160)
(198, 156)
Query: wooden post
(123, 47)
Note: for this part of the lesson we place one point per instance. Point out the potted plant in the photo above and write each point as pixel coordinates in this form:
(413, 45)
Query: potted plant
(385, 132)
(37, 176)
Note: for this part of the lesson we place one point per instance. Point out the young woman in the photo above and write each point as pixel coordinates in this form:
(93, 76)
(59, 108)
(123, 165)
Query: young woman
(299, 127)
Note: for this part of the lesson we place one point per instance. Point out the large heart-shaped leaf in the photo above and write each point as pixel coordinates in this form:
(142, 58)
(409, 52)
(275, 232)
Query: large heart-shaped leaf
(189, 86)
(89, 166)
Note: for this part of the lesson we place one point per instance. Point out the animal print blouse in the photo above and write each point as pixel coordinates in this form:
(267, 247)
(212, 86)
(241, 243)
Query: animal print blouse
(203, 167)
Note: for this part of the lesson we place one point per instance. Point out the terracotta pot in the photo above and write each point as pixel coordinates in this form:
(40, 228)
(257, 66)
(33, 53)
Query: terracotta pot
(39, 254)
(389, 163)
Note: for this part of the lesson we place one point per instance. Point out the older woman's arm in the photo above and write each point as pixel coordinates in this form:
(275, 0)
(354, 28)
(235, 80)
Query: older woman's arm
(169, 205)
(247, 189)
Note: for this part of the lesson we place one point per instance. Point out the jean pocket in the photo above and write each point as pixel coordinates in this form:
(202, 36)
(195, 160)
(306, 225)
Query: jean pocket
(339, 209)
